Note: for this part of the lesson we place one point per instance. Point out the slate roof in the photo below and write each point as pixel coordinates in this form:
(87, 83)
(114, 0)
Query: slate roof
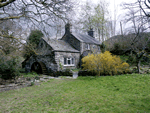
(61, 45)
(86, 38)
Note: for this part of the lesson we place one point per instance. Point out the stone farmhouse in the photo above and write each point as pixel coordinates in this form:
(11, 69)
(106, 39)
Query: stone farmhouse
(67, 52)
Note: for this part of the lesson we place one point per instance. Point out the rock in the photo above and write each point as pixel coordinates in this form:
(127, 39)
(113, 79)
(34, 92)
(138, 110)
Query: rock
(75, 75)
(57, 78)
(68, 77)
(42, 79)
(51, 77)
(28, 79)
(11, 85)
(37, 80)
(45, 77)
(2, 86)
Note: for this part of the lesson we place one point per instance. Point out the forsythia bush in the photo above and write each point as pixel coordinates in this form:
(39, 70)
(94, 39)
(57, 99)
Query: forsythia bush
(104, 63)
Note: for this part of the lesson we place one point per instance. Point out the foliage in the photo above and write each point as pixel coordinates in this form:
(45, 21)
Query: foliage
(131, 59)
(124, 58)
(86, 73)
(32, 42)
(116, 46)
(30, 75)
(76, 69)
(60, 65)
(9, 67)
(103, 47)
(104, 63)
(32, 83)
(66, 72)
(35, 37)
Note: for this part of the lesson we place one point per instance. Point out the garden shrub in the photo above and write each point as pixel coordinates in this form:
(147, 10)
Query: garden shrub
(116, 46)
(66, 72)
(86, 73)
(131, 59)
(9, 67)
(103, 47)
(105, 64)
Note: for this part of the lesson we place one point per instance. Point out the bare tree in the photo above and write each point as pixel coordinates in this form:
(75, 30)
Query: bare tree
(139, 23)
(34, 12)
(93, 16)
(145, 6)
(99, 20)
(18, 15)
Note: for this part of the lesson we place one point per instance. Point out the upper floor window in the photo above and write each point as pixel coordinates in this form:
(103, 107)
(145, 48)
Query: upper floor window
(99, 48)
(41, 44)
(94, 46)
(69, 61)
(88, 46)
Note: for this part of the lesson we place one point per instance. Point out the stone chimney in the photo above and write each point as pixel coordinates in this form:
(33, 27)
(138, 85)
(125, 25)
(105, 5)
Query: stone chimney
(91, 33)
(68, 28)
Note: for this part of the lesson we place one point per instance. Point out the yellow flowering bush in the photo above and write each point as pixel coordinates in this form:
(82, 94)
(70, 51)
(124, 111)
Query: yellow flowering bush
(104, 63)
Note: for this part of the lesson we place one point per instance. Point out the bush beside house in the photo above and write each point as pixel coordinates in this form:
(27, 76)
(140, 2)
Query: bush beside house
(104, 64)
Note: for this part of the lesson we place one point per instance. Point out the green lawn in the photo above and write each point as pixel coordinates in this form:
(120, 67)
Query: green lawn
(125, 94)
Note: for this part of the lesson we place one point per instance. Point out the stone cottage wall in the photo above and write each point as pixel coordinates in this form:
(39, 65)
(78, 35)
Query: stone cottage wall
(93, 48)
(59, 58)
(72, 41)
(48, 60)
(43, 48)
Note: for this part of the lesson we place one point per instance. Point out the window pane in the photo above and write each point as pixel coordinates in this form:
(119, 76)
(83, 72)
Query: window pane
(98, 48)
(65, 60)
(72, 60)
(69, 61)
(88, 47)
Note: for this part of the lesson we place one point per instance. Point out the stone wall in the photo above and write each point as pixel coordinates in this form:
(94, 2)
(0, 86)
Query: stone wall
(48, 60)
(72, 41)
(43, 48)
(59, 58)
(93, 48)
(53, 61)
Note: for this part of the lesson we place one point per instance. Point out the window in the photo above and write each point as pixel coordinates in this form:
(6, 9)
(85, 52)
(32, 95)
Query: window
(69, 61)
(88, 46)
(94, 46)
(41, 44)
(99, 48)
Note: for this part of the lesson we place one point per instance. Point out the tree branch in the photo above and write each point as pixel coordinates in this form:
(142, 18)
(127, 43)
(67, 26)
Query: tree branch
(6, 3)
(13, 17)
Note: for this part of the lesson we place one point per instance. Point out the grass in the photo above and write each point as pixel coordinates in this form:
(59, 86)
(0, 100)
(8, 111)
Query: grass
(32, 74)
(106, 94)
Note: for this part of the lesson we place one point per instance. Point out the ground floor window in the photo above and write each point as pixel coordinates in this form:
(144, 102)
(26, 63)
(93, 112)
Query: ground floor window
(69, 61)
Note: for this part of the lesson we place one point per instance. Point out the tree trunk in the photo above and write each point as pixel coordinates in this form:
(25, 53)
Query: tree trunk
(138, 66)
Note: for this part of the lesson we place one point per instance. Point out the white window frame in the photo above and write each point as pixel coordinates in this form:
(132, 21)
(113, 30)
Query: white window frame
(72, 61)
(88, 46)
